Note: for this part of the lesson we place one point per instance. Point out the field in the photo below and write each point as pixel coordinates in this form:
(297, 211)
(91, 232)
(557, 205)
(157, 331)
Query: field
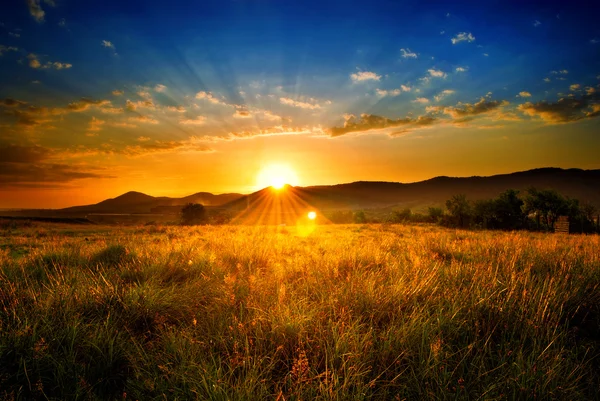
(284, 313)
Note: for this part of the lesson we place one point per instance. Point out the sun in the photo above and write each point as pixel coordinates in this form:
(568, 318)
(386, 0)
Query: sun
(276, 176)
(312, 215)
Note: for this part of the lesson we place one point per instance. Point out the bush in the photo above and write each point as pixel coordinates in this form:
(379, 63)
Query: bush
(193, 213)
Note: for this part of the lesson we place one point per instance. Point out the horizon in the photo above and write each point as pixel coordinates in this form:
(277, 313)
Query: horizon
(234, 96)
(178, 196)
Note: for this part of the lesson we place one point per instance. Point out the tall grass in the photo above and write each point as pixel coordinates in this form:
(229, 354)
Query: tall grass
(345, 313)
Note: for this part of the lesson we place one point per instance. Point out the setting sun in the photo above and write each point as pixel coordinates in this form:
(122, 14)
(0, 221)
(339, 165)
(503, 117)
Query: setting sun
(312, 215)
(276, 176)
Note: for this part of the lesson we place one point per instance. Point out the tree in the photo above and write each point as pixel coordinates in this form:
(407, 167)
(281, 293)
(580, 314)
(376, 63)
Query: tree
(547, 204)
(484, 213)
(401, 216)
(459, 208)
(193, 213)
(508, 210)
(435, 214)
(359, 217)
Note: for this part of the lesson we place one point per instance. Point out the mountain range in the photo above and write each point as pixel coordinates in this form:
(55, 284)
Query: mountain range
(574, 183)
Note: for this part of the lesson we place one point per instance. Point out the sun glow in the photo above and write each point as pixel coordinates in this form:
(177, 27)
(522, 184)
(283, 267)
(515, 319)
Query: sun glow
(312, 215)
(276, 176)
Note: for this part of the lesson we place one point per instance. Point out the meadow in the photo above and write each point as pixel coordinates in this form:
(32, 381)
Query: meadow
(342, 312)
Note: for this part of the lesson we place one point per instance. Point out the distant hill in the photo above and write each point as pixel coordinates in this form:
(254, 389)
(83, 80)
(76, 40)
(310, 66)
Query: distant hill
(574, 183)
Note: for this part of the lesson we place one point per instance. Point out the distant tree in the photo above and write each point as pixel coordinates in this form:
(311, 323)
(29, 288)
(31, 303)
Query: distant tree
(341, 217)
(508, 210)
(400, 216)
(459, 208)
(193, 213)
(546, 204)
(435, 214)
(484, 213)
(359, 217)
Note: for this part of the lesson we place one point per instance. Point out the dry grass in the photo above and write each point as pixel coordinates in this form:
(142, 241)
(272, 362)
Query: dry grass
(345, 312)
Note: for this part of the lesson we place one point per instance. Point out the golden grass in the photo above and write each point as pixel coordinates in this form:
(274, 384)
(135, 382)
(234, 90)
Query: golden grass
(345, 312)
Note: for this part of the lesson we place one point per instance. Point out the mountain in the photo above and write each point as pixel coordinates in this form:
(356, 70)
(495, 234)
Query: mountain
(137, 202)
(574, 183)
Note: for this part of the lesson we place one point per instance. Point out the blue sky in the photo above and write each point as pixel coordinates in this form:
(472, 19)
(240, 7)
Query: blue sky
(105, 92)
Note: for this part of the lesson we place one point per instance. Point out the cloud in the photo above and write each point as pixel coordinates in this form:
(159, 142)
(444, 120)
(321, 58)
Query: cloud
(589, 90)
(36, 11)
(94, 126)
(31, 166)
(594, 41)
(574, 87)
(421, 100)
(405, 88)
(177, 109)
(565, 110)
(199, 120)
(85, 103)
(241, 113)
(9, 102)
(295, 103)
(106, 43)
(62, 23)
(443, 94)
(143, 119)
(4, 49)
(132, 106)
(365, 76)
(160, 88)
(436, 73)
(34, 63)
(117, 92)
(467, 110)
(383, 92)
(463, 37)
(524, 94)
(209, 96)
(461, 69)
(14, 35)
(369, 122)
(546, 79)
(561, 72)
(406, 53)
(536, 23)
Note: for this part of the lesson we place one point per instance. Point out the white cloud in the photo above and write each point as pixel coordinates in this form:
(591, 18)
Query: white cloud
(594, 41)
(405, 88)
(365, 76)
(524, 94)
(295, 103)
(209, 96)
(486, 55)
(117, 92)
(536, 23)
(62, 22)
(108, 44)
(442, 32)
(574, 87)
(160, 88)
(546, 79)
(406, 53)
(422, 100)
(461, 69)
(436, 73)
(383, 92)
(443, 94)
(561, 72)
(463, 37)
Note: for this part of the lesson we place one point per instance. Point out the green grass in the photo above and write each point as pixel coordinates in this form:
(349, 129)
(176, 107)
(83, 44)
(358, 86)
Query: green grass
(343, 313)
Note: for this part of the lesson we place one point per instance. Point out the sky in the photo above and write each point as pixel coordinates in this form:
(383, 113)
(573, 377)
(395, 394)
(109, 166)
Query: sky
(175, 97)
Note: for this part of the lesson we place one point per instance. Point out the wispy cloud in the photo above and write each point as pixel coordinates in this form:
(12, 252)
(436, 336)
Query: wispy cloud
(463, 37)
(106, 43)
(574, 87)
(34, 62)
(564, 110)
(524, 94)
(406, 53)
(461, 69)
(365, 76)
(383, 92)
(443, 94)
(160, 88)
(536, 23)
(436, 73)
(209, 97)
(422, 100)
(4, 49)
(199, 120)
(35, 9)
(118, 92)
(295, 103)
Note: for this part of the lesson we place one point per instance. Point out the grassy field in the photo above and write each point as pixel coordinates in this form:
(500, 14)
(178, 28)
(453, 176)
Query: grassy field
(255, 313)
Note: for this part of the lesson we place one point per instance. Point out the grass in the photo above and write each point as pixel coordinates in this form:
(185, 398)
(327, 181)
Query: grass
(343, 313)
